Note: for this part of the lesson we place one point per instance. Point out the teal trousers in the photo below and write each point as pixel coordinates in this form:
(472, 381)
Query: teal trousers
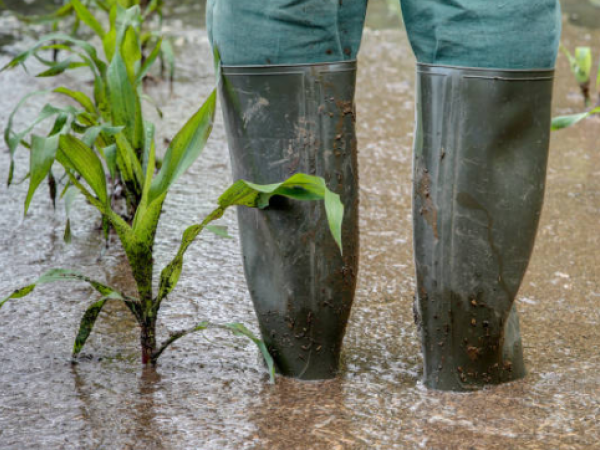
(503, 34)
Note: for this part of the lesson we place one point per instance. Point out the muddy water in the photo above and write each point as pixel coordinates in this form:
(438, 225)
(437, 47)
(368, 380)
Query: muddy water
(211, 392)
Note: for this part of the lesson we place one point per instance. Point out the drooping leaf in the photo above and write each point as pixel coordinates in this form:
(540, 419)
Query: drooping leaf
(89, 49)
(240, 330)
(61, 67)
(237, 329)
(13, 139)
(79, 97)
(242, 193)
(153, 103)
(62, 12)
(55, 275)
(9, 140)
(91, 134)
(87, 324)
(298, 187)
(43, 152)
(176, 336)
(570, 120)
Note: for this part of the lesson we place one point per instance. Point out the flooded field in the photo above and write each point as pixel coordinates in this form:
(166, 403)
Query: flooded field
(211, 391)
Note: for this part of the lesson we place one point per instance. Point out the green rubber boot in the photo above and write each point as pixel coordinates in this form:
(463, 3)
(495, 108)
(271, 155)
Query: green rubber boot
(281, 120)
(480, 157)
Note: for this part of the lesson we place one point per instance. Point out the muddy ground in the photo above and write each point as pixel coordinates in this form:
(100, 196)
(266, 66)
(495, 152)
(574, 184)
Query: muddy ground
(211, 391)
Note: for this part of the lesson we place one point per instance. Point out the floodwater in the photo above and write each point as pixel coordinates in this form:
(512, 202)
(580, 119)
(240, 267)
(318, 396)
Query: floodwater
(211, 391)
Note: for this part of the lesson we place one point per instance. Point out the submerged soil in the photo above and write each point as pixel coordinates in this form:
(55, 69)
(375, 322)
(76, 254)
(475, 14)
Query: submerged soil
(211, 391)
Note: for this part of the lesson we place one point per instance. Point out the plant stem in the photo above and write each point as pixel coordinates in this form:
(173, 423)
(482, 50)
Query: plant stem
(148, 341)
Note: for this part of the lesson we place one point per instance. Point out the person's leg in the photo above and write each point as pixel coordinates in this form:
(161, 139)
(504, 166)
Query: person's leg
(273, 32)
(288, 100)
(484, 88)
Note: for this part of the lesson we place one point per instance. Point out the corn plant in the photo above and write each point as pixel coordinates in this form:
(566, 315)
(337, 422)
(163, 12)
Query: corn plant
(581, 67)
(72, 13)
(86, 171)
(110, 121)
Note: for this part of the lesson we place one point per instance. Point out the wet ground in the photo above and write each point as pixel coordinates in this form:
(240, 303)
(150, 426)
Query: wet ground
(212, 392)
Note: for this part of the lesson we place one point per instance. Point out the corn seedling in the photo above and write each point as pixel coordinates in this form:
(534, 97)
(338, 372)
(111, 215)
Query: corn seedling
(109, 121)
(69, 17)
(86, 170)
(581, 67)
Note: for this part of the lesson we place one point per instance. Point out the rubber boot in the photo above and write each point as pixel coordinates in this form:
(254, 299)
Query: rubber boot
(480, 157)
(281, 120)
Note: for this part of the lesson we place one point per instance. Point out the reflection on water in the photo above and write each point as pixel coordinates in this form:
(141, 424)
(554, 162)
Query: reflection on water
(211, 391)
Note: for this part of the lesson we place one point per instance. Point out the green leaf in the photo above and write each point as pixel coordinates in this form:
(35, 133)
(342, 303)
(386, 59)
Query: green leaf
(79, 97)
(176, 336)
(242, 193)
(61, 67)
(9, 140)
(153, 103)
(561, 122)
(299, 187)
(150, 162)
(91, 134)
(64, 275)
(87, 324)
(185, 148)
(240, 330)
(13, 139)
(583, 64)
(149, 62)
(86, 17)
(132, 54)
(62, 12)
(129, 164)
(169, 277)
(75, 155)
(110, 156)
(43, 152)
(125, 102)
(89, 49)
(69, 197)
(219, 230)
(168, 56)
